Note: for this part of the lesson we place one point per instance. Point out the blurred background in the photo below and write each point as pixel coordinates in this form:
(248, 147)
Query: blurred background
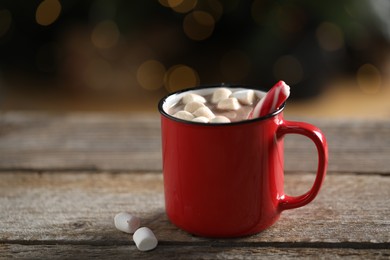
(118, 55)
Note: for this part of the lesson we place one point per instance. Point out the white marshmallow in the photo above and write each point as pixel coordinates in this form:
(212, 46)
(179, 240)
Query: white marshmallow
(126, 222)
(191, 97)
(201, 119)
(204, 111)
(193, 106)
(245, 97)
(229, 114)
(185, 115)
(219, 94)
(229, 104)
(220, 119)
(144, 239)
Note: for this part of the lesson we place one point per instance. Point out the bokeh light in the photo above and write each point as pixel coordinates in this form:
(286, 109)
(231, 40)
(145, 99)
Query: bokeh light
(164, 3)
(329, 36)
(198, 25)
(235, 65)
(48, 12)
(179, 6)
(182, 6)
(289, 69)
(133, 50)
(105, 35)
(5, 21)
(150, 75)
(180, 77)
(214, 7)
(369, 79)
(174, 3)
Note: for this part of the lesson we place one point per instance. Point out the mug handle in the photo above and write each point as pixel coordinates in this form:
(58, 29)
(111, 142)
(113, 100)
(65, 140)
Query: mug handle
(315, 134)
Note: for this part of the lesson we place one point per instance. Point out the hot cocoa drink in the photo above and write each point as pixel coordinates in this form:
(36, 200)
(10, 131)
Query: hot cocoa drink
(214, 105)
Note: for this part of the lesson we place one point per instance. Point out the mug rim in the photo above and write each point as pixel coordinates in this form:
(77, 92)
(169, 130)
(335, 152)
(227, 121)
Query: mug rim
(227, 85)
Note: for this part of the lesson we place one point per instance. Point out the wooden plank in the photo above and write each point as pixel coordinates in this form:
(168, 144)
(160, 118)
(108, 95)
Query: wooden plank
(82, 141)
(121, 142)
(8, 251)
(354, 146)
(79, 208)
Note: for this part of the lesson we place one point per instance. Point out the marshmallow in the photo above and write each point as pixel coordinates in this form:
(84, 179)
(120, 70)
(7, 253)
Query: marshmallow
(201, 119)
(220, 119)
(229, 114)
(184, 115)
(220, 94)
(228, 104)
(245, 97)
(126, 222)
(193, 106)
(204, 111)
(191, 97)
(144, 239)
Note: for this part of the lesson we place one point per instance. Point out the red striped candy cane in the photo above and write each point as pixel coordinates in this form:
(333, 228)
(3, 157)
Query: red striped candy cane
(274, 98)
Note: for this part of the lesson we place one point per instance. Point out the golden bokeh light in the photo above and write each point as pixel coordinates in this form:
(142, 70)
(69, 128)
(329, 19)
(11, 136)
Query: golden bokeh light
(329, 36)
(105, 35)
(369, 79)
(184, 6)
(48, 12)
(175, 3)
(150, 75)
(164, 3)
(198, 25)
(289, 69)
(5, 21)
(235, 65)
(213, 7)
(179, 6)
(179, 77)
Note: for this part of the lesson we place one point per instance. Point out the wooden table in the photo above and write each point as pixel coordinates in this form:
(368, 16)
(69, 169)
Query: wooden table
(63, 177)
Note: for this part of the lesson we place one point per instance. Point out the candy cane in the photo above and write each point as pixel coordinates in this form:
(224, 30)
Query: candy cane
(274, 98)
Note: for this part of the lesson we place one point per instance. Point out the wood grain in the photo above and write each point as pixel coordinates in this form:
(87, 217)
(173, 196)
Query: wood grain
(129, 142)
(9, 251)
(78, 208)
(63, 177)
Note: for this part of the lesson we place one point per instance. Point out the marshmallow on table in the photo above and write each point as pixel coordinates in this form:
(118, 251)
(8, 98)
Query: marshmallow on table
(205, 112)
(220, 119)
(185, 115)
(219, 94)
(245, 97)
(126, 222)
(229, 104)
(201, 119)
(191, 97)
(193, 106)
(144, 239)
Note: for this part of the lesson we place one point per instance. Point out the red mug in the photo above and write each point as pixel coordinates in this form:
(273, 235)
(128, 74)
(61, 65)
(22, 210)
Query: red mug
(226, 180)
